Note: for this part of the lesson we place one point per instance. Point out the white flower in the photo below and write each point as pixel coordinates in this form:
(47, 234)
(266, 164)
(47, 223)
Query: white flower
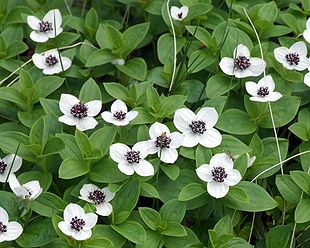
(164, 143)
(30, 190)
(178, 14)
(99, 197)
(8, 230)
(306, 33)
(77, 224)
(49, 27)
(242, 65)
(77, 113)
(198, 128)
(251, 160)
(219, 174)
(263, 91)
(7, 166)
(307, 79)
(294, 57)
(119, 116)
(118, 62)
(132, 160)
(50, 62)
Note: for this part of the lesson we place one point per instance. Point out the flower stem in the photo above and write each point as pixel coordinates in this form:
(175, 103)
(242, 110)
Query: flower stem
(174, 47)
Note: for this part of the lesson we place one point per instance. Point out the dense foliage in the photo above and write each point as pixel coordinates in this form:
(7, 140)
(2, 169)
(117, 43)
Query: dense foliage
(154, 123)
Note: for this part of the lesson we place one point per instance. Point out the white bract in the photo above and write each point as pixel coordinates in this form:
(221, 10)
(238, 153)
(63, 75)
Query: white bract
(306, 33)
(242, 65)
(178, 14)
(8, 230)
(198, 128)
(51, 62)
(164, 143)
(99, 197)
(263, 91)
(77, 224)
(219, 174)
(49, 27)
(118, 62)
(30, 190)
(119, 115)
(294, 57)
(132, 160)
(307, 79)
(251, 160)
(7, 166)
(77, 113)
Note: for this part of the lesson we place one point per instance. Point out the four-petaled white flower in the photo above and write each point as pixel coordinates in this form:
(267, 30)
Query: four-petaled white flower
(242, 65)
(198, 128)
(306, 33)
(263, 91)
(164, 143)
(51, 62)
(99, 197)
(7, 166)
(77, 113)
(30, 190)
(77, 224)
(178, 14)
(49, 27)
(294, 57)
(8, 230)
(219, 174)
(119, 115)
(132, 160)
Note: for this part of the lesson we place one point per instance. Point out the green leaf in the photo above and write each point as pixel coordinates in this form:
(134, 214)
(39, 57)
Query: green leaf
(41, 233)
(191, 191)
(133, 37)
(201, 34)
(278, 236)
(150, 217)
(91, 22)
(71, 148)
(232, 145)
(149, 190)
(202, 155)
(53, 146)
(235, 121)
(259, 199)
(288, 189)
(106, 171)
(302, 179)
(135, 68)
(116, 90)
(84, 143)
(72, 168)
(48, 204)
(173, 211)
(100, 57)
(175, 230)
(165, 47)
(172, 171)
(103, 138)
(268, 12)
(44, 178)
(98, 243)
(170, 104)
(114, 37)
(302, 211)
(125, 201)
(46, 85)
(200, 60)
(144, 117)
(218, 85)
(106, 232)
(131, 230)
(14, 96)
(90, 91)
(224, 226)
(152, 98)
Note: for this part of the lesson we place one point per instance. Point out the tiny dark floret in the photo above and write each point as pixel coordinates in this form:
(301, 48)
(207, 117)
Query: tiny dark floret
(163, 141)
(97, 196)
(79, 110)
(180, 15)
(198, 127)
(242, 63)
(133, 157)
(51, 60)
(45, 26)
(263, 91)
(219, 174)
(3, 228)
(119, 115)
(77, 224)
(292, 58)
(2, 167)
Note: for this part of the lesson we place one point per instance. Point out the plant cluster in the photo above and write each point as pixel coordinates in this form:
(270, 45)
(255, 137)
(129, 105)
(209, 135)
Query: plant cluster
(155, 123)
